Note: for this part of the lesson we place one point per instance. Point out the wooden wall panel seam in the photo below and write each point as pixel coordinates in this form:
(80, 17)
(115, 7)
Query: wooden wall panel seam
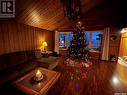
(21, 37)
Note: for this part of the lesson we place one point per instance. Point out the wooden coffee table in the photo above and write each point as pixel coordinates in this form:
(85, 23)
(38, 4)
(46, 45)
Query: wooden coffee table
(31, 87)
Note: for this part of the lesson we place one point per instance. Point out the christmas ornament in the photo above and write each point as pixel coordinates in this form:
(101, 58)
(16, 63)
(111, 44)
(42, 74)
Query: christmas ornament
(78, 48)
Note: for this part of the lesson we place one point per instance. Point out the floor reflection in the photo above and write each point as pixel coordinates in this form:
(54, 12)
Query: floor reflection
(122, 73)
(102, 78)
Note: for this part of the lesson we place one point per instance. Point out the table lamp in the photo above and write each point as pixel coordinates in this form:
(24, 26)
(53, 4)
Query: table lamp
(45, 45)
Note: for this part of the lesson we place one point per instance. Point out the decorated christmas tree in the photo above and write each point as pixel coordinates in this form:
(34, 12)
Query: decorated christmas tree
(78, 48)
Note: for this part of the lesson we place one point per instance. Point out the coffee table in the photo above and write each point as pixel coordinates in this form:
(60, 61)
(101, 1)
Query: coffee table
(31, 87)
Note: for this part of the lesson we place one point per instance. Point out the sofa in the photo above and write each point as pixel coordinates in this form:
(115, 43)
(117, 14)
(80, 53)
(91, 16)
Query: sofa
(14, 65)
(49, 62)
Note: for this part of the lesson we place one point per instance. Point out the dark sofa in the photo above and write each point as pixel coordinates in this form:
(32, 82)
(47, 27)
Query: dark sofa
(49, 62)
(14, 65)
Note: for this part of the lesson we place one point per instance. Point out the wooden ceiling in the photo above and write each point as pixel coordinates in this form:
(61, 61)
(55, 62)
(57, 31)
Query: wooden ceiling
(49, 15)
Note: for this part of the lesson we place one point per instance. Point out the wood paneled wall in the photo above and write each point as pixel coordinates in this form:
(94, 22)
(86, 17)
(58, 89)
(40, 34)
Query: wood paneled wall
(20, 37)
(114, 45)
(123, 45)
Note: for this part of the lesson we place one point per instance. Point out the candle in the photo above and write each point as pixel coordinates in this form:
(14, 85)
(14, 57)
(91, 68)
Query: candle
(38, 74)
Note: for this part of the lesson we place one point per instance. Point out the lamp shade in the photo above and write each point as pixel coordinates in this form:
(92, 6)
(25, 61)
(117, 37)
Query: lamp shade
(45, 44)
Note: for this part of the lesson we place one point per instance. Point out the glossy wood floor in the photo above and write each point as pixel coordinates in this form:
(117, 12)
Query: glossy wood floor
(102, 78)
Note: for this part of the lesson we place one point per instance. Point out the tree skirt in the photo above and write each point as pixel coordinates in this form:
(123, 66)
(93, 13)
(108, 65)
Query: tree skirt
(77, 63)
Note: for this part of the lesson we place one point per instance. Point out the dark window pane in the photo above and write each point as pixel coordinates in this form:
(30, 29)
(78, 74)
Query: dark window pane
(96, 38)
(70, 35)
(87, 34)
(62, 40)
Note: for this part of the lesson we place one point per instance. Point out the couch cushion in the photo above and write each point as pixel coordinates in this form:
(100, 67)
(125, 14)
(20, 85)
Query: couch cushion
(16, 58)
(25, 67)
(50, 62)
(3, 64)
(13, 65)
(30, 55)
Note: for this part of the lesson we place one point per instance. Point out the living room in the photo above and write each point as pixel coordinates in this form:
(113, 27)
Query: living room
(63, 47)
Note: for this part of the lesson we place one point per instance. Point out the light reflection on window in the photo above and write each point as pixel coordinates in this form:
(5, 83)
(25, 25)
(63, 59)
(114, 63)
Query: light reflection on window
(62, 40)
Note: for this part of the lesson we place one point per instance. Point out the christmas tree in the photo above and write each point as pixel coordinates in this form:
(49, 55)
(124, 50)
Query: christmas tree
(78, 48)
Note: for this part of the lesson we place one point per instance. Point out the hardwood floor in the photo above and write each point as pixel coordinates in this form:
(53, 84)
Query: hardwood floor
(102, 78)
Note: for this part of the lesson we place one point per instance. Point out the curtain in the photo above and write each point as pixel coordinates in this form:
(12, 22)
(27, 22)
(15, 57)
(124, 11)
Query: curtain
(105, 48)
(56, 46)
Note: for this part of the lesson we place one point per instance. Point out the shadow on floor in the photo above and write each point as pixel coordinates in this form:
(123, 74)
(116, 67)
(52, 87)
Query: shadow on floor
(10, 90)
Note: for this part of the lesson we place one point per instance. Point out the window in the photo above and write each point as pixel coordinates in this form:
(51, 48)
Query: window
(87, 34)
(65, 39)
(62, 40)
(70, 35)
(93, 38)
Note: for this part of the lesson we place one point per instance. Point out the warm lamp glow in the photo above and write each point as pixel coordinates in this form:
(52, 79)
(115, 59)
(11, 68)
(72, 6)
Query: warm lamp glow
(45, 44)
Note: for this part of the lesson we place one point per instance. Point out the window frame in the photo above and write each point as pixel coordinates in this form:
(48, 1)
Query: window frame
(66, 40)
(90, 42)
(90, 39)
